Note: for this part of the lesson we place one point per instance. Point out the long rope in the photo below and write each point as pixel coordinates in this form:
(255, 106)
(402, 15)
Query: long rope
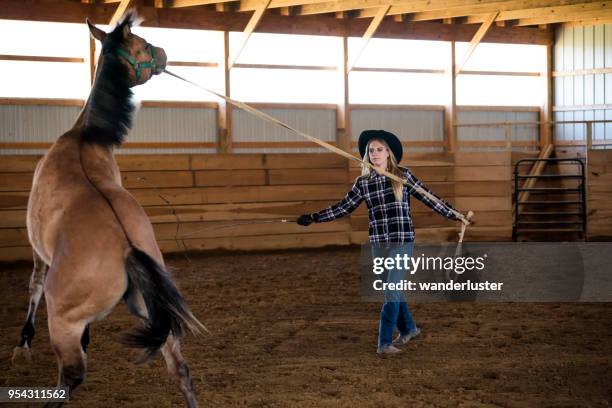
(465, 220)
(180, 241)
(238, 224)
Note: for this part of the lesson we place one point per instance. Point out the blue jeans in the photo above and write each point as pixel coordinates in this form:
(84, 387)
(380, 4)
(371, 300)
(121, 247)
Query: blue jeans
(395, 312)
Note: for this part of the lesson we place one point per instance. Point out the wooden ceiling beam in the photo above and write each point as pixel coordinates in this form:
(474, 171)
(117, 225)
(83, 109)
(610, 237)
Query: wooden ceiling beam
(369, 33)
(550, 15)
(524, 12)
(250, 28)
(205, 19)
(482, 31)
(468, 10)
(165, 3)
(603, 13)
(191, 3)
(251, 5)
(588, 21)
(435, 10)
(120, 11)
(397, 6)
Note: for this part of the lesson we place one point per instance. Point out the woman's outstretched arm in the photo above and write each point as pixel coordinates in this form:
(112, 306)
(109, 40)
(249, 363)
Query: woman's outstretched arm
(347, 205)
(441, 207)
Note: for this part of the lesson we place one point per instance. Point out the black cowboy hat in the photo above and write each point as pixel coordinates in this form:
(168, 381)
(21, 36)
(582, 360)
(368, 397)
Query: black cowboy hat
(394, 143)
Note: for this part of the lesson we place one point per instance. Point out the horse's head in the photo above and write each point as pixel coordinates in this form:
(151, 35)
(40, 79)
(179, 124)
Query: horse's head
(142, 59)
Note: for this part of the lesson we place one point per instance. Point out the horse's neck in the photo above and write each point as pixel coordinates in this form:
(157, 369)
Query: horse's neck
(107, 115)
(79, 123)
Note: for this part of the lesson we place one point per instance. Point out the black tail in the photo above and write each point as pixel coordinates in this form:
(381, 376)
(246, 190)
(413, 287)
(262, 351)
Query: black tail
(166, 309)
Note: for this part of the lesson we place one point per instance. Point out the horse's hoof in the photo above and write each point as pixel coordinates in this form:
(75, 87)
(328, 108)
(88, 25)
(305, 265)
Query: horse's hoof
(21, 355)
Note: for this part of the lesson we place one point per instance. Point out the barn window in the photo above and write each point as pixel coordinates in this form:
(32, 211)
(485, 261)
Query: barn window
(397, 88)
(501, 74)
(43, 60)
(395, 53)
(167, 88)
(503, 57)
(43, 39)
(35, 79)
(499, 90)
(193, 54)
(286, 68)
(391, 71)
(284, 85)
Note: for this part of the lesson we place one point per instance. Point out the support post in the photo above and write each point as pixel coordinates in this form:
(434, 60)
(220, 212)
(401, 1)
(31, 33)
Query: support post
(450, 113)
(546, 114)
(343, 135)
(224, 112)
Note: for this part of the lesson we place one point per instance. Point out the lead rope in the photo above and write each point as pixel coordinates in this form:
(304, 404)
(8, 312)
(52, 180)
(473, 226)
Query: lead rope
(462, 233)
(465, 220)
(238, 224)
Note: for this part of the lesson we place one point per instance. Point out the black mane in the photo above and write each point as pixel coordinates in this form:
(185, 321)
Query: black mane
(109, 111)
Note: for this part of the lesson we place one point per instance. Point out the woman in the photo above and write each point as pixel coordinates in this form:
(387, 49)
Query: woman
(390, 224)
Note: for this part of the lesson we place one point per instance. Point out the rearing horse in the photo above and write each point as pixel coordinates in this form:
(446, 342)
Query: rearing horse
(93, 243)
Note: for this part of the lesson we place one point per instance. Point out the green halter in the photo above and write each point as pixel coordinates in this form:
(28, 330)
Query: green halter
(138, 66)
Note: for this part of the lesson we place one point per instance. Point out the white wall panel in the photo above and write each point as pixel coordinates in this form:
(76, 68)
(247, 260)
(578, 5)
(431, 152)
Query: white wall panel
(320, 123)
(174, 125)
(481, 133)
(407, 125)
(576, 48)
(45, 123)
(35, 123)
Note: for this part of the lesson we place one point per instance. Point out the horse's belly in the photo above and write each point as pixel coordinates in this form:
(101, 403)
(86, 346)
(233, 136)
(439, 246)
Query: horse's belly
(44, 218)
(56, 184)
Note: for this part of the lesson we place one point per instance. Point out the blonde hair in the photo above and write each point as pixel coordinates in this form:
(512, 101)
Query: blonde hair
(392, 167)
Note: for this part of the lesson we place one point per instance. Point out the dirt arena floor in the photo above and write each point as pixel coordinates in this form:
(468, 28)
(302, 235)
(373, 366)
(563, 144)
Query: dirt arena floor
(288, 330)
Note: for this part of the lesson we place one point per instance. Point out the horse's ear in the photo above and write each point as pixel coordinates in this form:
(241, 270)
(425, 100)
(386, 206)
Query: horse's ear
(126, 31)
(96, 32)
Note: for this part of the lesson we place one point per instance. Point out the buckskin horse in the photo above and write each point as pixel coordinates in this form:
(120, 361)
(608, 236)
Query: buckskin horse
(93, 243)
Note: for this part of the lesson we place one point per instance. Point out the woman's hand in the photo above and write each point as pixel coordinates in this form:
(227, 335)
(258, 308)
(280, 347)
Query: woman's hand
(466, 220)
(305, 220)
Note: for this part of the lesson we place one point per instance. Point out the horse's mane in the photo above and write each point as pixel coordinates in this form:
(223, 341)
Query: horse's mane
(110, 108)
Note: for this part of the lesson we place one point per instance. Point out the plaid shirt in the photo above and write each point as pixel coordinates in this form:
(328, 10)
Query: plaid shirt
(389, 220)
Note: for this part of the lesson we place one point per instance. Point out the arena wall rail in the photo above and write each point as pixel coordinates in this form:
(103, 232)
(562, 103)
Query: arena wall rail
(202, 202)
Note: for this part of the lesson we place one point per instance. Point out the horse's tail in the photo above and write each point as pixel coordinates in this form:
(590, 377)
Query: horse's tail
(149, 284)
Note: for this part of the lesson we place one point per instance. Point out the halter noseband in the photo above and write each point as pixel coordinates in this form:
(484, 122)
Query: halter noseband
(138, 66)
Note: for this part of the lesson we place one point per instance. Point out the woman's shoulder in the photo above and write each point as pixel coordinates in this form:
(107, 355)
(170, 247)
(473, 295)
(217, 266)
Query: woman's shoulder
(361, 178)
(405, 170)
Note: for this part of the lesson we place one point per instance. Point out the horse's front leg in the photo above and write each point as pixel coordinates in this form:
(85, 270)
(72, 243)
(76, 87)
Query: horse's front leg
(36, 290)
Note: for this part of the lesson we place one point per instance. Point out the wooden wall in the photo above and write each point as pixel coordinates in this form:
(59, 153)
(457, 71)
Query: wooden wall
(599, 194)
(483, 184)
(195, 201)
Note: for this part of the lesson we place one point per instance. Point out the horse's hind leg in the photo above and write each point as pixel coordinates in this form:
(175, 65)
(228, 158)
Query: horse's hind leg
(177, 368)
(175, 363)
(36, 291)
(69, 342)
